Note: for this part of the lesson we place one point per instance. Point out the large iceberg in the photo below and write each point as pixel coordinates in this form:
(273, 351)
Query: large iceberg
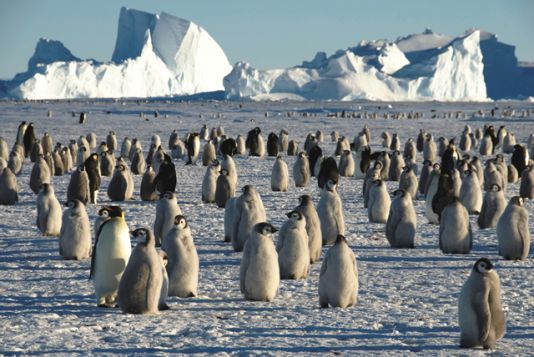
(154, 56)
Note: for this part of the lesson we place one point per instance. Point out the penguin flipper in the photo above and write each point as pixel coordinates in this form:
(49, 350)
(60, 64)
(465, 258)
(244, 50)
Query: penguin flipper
(522, 228)
(93, 253)
(482, 312)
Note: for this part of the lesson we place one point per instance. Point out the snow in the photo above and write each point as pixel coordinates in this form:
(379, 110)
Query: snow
(421, 42)
(407, 298)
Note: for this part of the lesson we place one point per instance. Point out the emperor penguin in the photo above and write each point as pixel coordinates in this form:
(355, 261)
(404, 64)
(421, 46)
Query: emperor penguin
(82, 154)
(526, 186)
(480, 314)
(208, 153)
(165, 179)
(8, 187)
(141, 282)
(313, 227)
(228, 163)
(385, 158)
(486, 146)
(301, 170)
(431, 192)
(410, 150)
(15, 162)
(401, 224)
(126, 147)
(209, 182)
(136, 144)
(372, 174)
(520, 158)
(107, 163)
(334, 136)
(178, 150)
(241, 146)
(204, 133)
(420, 142)
(183, 265)
(91, 139)
(75, 235)
(166, 210)
(513, 175)
(338, 280)
(20, 132)
(165, 286)
(40, 174)
(328, 171)
(4, 150)
(121, 185)
(36, 151)
(229, 213)
(255, 143)
(58, 168)
(146, 190)
(362, 161)
(111, 253)
(429, 148)
(330, 211)
(395, 142)
(280, 175)
(319, 136)
(29, 138)
(379, 202)
(359, 142)
(111, 141)
(346, 164)
(138, 164)
(73, 149)
(512, 231)
(292, 148)
(273, 144)
(408, 181)
(249, 210)
(259, 273)
(386, 140)
(224, 188)
(508, 143)
(493, 206)
(48, 211)
(443, 143)
(292, 247)
(455, 235)
(92, 168)
(470, 192)
(465, 141)
(283, 140)
(78, 188)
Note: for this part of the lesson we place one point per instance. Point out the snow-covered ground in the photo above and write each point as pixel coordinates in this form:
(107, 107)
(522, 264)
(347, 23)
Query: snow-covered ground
(407, 300)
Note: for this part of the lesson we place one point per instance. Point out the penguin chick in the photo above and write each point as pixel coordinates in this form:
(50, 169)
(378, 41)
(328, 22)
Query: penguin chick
(455, 235)
(279, 175)
(313, 227)
(512, 231)
(330, 211)
(401, 224)
(75, 235)
(166, 210)
(48, 211)
(379, 202)
(292, 248)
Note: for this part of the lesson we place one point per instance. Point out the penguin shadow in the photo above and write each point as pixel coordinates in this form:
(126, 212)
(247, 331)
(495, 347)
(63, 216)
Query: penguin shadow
(58, 304)
(519, 332)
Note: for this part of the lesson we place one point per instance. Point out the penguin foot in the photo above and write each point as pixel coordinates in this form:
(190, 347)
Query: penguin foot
(163, 307)
(324, 306)
(191, 294)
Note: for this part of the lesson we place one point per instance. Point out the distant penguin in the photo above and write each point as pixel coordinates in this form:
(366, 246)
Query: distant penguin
(78, 188)
(166, 209)
(224, 188)
(512, 231)
(280, 175)
(329, 171)
(330, 211)
(29, 139)
(470, 193)
(138, 164)
(520, 158)
(254, 143)
(146, 190)
(166, 176)
(249, 210)
(121, 185)
(431, 192)
(40, 174)
(283, 140)
(313, 227)
(509, 143)
(379, 202)
(362, 162)
(183, 265)
(480, 314)
(91, 139)
(401, 224)
(292, 148)
(75, 235)
(107, 164)
(126, 146)
(292, 247)
(314, 156)
(259, 273)
(526, 186)
(241, 146)
(429, 149)
(209, 182)
(395, 168)
(193, 148)
(493, 206)
(338, 281)
(208, 153)
(48, 211)
(486, 146)
(513, 175)
(408, 181)
(372, 174)
(92, 167)
(301, 170)
(110, 256)
(346, 164)
(455, 235)
(8, 187)
(111, 141)
(273, 144)
(386, 139)
(140, 284)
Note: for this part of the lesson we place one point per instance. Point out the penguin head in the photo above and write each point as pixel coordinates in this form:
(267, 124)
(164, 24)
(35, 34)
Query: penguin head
(331, 185)
(294, 216)
(377, 182)
(104, 154)
(168, 195)
(406, 168)
(265, 228)
(495, 188)
(82, 149)
(121, 167)
(111, 212)
(164, 257)
(215, 163)
(483, 265)
(224, 172)
(143, 235)
(72, 203)
(437, 166)
(516, 200)
(378, 165)
(305, 200)
(248, 189)
(46, 188)
(302, 154)
(180, 221)
(340, 239)
(399, 193)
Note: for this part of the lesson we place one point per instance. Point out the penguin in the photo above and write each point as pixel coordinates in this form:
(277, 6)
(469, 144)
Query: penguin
(338, 280)
(146, 191)
(208, 153)
(8, 187)
(15, 162)
(48, 211)
(204, 133)
(165, 285)
(75, 235)
(107, 163)
(328, 171)
(283, 142)
(78, 188)
(334, 136)
(379, 202)
(346, 164)
(470, 193)
(443, 143)
(111, 253)
(401, 224)
(166, 209)
(520, 158)
(408, 181)
(501, 133)
(157, 158)
(486, 146)
(58, 168)
(493, 206)
(141, 282)
(183, 263)
(240, 145)
(103, 147)
(509, 143)
(136, 144)
(444, 194)
(362, 162)
(40, 174)
(29, 139)
(138, 164)
(49, 161)
(193, 148)
(493, 176)
(209, 182)
(477, 167)
(227, 147)
(91, 139)
(500, 165)
(178, 150)
(410, 150)
(121, 185)
(111, 141)
(292, 247)
(229, 165)
(342, 145)
(395, 168)
(249, 210)
(126, 146)
(465, 141)
(421, 140)
(220, 131)
(330, 211)
(385, 158)
(224, 188)
(301, 170)
(480, 314)
(386, 140)
(429, 148)
(36, 151)
(292, 148)
(4, 150)
(92, 168)
(310, 142)
(229, 213)
(395, 142)
(372, 174)
(259, 273)
(455, 235)
(526, 186)
(359, 142)
(20, 132)
(273, 144)
(512, 231)
(313, 227)
(280, 175)
(449, 158)
(319, 136)
(166, 176)
(254, 143)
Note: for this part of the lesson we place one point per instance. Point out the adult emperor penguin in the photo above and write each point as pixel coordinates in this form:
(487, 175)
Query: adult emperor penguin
(75, 234)
(455, 235)
(20, 132)
(78, 188)
(166, 209)
(224, 189)
(273, 144)
(379, 202)
(401, 224)
(301, 170)
(330, 211)
(193, 148)
(259, 273)
(40, 174)
(111, 253)
(209, 182)
(121, 186)
(408, 181)
(338, 281)
(183, 265)
(470, 192)
(48, 211)
(493, 206)
(292, 247)
(249, 210)
(254, 143)
(146, 190)
(280, 175)
(29, 138)
(8, 187)
(92, 168)
(313, 227)
(431, 192)
(328, 171)
(512, 231)
(480, 314)
(346, 164)
(526, 186)
(315, 156)
(140, 285)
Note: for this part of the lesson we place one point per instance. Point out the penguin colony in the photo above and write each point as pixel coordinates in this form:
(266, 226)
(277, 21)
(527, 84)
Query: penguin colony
(164, 262)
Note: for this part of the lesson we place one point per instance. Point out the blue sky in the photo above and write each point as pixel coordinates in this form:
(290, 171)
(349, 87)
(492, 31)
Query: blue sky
(267, 34)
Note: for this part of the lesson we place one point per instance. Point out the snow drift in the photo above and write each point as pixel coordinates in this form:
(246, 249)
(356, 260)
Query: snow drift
(155, 55)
